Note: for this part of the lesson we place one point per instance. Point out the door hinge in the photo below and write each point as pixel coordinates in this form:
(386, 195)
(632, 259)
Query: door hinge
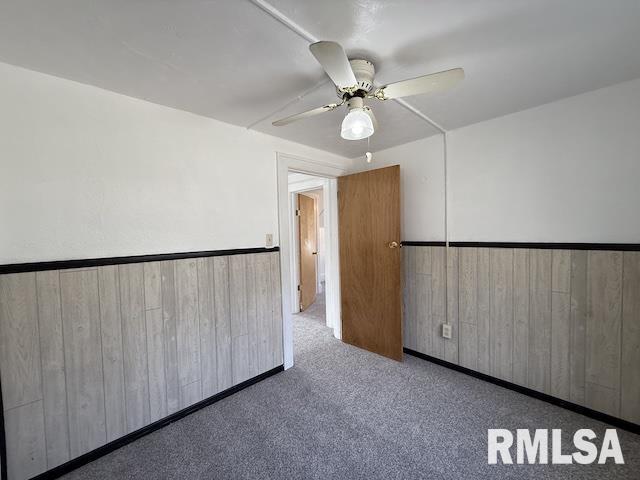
(298, 287)
(297, 213)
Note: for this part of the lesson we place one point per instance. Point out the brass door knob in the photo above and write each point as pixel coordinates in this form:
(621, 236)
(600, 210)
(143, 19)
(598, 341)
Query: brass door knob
(393, 245)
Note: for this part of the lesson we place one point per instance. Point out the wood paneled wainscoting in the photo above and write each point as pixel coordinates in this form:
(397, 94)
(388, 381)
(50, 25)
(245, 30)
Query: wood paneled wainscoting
(564, 322)
(90, 354)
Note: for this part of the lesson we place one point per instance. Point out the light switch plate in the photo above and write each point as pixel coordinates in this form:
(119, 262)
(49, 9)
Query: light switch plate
(269, 240)
(446, 330)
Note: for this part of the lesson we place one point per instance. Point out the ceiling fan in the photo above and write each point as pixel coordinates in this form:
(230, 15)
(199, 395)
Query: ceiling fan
(354, 83)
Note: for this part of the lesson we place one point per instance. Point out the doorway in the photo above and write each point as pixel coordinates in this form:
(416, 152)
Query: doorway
(307, 216)
(325, 176)
(371, 295)
(310, 255)
(308, 239)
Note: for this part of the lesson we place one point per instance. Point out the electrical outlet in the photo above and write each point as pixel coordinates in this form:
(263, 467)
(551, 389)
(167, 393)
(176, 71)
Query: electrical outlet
(446, 330)
(269, 240)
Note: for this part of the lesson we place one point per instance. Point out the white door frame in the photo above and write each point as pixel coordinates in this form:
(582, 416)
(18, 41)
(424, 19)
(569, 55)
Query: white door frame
(285, 163)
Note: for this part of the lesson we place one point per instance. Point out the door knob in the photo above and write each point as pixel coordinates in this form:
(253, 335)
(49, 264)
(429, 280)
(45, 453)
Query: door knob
(393, 244)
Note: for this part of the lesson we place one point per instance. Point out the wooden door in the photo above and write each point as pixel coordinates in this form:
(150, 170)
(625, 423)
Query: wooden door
(370, 264)
(308, 250)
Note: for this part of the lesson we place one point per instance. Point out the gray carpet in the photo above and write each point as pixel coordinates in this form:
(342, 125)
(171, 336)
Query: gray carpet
(342, 412)
(315, 312)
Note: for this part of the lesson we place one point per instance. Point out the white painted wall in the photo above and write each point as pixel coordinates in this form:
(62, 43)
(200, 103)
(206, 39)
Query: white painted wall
(421, 185)
(89, 173)
(568, 171)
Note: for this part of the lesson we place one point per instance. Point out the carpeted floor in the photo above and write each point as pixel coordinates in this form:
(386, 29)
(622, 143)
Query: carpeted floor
(345, 413)
(315, 312)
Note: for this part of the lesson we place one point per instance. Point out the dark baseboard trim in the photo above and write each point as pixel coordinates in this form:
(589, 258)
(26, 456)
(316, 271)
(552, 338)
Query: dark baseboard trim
(99, 262)
(423, 244)
(624, 247)
(122, 441)
(587, 412)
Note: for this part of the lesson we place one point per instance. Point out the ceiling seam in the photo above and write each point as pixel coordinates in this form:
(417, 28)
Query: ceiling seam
(303, 33)
(288, 104)
(419, 114)
(283, 19)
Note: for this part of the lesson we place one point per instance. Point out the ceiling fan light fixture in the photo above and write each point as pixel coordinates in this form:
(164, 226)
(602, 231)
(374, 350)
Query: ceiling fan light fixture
(355, 80)
(356, 125)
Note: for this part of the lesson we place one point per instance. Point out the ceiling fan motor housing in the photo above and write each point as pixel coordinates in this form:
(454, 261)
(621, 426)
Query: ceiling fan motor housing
(364, 72)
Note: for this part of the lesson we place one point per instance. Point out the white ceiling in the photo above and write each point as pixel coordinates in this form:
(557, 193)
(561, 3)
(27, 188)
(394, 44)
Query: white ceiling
(229, 60)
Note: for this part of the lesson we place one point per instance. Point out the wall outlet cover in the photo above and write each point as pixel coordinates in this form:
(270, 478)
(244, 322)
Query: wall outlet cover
(446, 330)
(269, 240)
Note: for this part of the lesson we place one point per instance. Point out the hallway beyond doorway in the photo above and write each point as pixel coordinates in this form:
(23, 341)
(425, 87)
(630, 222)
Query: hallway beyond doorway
(316, 311)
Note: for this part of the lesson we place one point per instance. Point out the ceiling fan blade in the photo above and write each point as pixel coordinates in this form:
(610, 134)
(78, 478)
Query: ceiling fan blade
(335, 62)
(435, 82)
(307, 114)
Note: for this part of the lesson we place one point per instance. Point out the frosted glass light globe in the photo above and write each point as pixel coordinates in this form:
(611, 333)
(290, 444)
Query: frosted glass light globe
(356, 125)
